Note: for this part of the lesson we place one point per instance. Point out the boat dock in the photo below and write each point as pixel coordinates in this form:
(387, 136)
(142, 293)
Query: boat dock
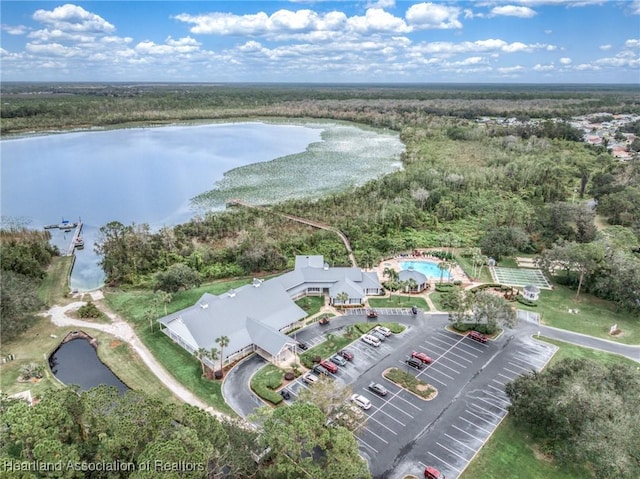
(67, 226)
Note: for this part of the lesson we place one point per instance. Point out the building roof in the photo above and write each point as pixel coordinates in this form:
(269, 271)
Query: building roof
(531, 288)
(269, 339)
(417, 276)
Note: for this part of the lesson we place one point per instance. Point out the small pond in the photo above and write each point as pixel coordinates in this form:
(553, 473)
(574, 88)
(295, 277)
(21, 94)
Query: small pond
(77, 362)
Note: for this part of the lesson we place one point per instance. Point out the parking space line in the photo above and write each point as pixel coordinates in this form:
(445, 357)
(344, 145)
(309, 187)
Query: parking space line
(383, 425)
(501, 384)
(399, 409)
(458, 356)
(448, 343)
(480, 418)
(529, 360)
(505, 399)
(494, 405)
(512, 371)
(475, 425)
(454, 370)
(475, 346)
(510, 379)
(430, 347)
(452, 452)
(366, 444)
(530, 364)
(447, 358)
(486, 410)
(408, 402)
(374, 434)
(460, 442)
(435, 370)
(468, 434)
(379, 409)
(442, 460)
(463, 350)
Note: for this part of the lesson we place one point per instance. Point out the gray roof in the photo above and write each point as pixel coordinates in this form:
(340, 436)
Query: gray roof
(226, 315)
(267, 338)
(346, 286)
(531, 288)
(417, 276)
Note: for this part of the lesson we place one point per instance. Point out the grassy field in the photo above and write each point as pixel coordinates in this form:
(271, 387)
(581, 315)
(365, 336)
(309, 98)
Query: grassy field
(399, 301)
(54, 289)
(595, 316)
(511, 454)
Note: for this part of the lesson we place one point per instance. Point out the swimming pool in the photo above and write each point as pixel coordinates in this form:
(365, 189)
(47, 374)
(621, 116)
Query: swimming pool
(428, 268)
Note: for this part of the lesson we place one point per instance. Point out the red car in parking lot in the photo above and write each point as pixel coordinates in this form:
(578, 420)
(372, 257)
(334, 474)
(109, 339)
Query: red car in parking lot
(348, 355)
(433, 473)
(475, 335)
(421, 357)
(329, 366)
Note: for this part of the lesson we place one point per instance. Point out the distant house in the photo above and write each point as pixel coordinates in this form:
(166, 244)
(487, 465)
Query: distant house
(256, 317)
(531, 292)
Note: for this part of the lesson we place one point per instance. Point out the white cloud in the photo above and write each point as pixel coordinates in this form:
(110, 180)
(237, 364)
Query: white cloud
(566, 61)
(605, 47)
(513, 11)
(377, 20)
(381, 4)
(433, 16)
(73, 18)
(544, 68)
(489, 45)
(14, 29)
(632, 43)
(510, 70)
(635, 7)
(170, 47)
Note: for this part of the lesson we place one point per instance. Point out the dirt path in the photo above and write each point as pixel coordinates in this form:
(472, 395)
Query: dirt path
(122, 330)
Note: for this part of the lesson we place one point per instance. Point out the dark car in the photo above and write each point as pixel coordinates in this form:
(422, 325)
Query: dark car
(339, 360)
(348, 355)
(414, 310)
(414, 363)
(475, 335)
(371, 314)
(285, 394)
(319, 369)
(324, 321)
(302, 345)
(433, 473)
(377, 388)
(421, 357)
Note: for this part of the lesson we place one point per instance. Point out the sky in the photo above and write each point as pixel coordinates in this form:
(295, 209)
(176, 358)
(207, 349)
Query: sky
(368, 41)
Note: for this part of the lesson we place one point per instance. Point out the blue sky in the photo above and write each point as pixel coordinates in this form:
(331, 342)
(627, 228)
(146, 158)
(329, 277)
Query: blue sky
(492, 41)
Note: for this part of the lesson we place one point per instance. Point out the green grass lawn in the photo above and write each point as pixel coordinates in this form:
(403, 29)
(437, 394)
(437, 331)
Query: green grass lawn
(265, 381)
(311, 304)
(466, 264)
(54, 288)
(595, 316)
(510, 453)
(436, 298)
(399, 301)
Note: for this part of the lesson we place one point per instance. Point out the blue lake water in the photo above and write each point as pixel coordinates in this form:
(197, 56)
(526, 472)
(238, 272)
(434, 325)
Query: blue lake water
(151, 175)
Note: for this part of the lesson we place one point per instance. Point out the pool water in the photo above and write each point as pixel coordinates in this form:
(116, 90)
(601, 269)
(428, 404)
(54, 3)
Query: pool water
(428, 268)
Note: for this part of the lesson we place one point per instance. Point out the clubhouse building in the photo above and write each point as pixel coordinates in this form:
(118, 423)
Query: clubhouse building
(256, 317)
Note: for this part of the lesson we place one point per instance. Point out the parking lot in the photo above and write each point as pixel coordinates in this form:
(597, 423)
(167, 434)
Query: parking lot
(404, 433)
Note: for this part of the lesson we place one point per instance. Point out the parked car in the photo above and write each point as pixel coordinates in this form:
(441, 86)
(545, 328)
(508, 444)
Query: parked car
(377, 334)
(319, 369)
(433, 473)
(339, 360)
(361, 401)
(378, 388)
(383, 330)
(421, 357)
(348, 355)
(285, 394)
(475, 335)
(414, 363)
(414, 310)
(372, 340)
(329, 366)
(309, 378)
(302, 345)
(371, 314)
(324, 321)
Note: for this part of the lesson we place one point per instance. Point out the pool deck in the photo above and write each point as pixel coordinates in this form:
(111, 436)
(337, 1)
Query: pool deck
(456, 273)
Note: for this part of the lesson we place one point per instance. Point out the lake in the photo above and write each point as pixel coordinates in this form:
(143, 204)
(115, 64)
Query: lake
(77, 362)
(164, 176)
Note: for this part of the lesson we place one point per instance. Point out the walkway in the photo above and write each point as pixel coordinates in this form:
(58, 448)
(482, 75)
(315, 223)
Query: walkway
(122, 330)
(315, 224)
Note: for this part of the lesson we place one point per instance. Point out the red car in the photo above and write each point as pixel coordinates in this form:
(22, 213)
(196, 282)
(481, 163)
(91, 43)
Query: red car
(348, 355)
(475, 335)
(433, 473)
(329, 366)
(371, 314)
(421, 357)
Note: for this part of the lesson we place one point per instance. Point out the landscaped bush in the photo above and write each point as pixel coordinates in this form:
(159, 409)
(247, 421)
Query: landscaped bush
(481, 328)
(484, 286)
(409, 381)
(443, 255)
(527, 302)
(89, 310)
(444, 287)
(266, 381)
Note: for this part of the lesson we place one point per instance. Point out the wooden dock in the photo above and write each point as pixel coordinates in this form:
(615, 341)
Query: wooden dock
(76, 241)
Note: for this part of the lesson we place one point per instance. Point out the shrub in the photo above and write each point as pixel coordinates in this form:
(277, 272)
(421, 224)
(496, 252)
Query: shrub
(89, 310)
(444, 287)
(266, 381)
(527, 302)
(481, 328)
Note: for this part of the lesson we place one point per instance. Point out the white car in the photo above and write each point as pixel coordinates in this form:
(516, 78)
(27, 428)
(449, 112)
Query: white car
(372, 340)
(361, 401)
(383, 330)
(309, 378)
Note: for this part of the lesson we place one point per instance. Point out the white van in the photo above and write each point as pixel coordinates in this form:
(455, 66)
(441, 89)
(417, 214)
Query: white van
(372, 340)
(361, 401)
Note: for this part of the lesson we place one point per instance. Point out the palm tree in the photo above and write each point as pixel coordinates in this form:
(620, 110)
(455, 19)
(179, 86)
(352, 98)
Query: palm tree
(201, 354)
(442, 266)
(212, 354)
(391, 273)
(164, 298)
(223, 342)
(150, 314)
(342, 298)
(412, 285)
